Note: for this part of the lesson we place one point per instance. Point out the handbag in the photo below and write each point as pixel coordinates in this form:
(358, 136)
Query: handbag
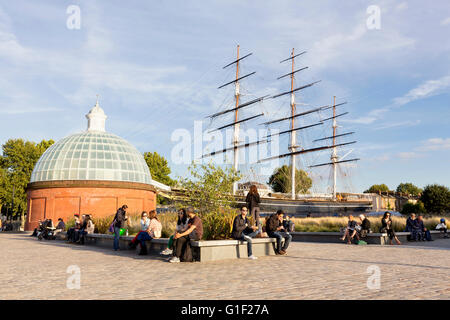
(111, 227)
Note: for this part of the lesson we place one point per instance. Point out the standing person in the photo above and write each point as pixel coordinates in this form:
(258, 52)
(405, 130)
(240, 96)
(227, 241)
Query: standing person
(181, 243)
(253, 202)
(274, 229)
(350, 231)
(182, 225)
(119, 221)
(153, 231)
(386, 226)
(442, 227)
(243, 231)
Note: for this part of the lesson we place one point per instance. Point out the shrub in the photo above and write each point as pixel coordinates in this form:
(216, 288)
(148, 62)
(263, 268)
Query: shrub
(218, 224)
(409, 208)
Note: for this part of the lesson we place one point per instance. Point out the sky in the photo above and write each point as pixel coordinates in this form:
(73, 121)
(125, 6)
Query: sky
(156, 67)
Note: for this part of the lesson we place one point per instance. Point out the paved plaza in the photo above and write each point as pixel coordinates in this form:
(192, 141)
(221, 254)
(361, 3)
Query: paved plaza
(32, 269)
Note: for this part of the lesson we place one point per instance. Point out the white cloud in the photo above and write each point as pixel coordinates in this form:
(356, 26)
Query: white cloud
(408, 123)
(445, 22)
(435, 144)
(409, 155)
(424, 90)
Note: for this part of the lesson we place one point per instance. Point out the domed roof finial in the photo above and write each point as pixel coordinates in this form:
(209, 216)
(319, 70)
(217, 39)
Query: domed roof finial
(96, 118)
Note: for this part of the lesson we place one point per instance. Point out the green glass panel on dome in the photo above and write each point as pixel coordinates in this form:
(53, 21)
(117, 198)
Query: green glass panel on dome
(92, 155)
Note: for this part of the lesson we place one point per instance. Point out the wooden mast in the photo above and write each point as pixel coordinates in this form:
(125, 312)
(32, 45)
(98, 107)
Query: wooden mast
(236, 125)
(292, 147)
(334, 154)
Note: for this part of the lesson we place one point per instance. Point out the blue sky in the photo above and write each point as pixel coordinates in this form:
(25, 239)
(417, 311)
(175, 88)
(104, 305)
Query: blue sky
(157, 65)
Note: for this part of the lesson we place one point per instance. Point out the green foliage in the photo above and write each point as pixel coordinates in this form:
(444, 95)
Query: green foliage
(217, 225)
(280, 180)
(410, 207)
(409, 189)
(210, 187)
(436, 198)
(376, 188)
(17, 163)
(210, 192)
(159, 169)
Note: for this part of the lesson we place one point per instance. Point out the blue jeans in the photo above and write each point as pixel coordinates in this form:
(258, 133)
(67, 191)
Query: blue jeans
(248, 237)
(142, 237)
(280, 235)
(116, 238)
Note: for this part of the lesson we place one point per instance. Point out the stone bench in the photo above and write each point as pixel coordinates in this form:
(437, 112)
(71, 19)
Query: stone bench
(334, 237)
(202, 250)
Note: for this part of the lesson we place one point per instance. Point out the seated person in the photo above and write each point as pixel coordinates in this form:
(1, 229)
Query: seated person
(412, 226)
(76, 233)
(181, 240)
(61, 226)
(87, 227)
(275, 229)
(350, 231)
(364, 226)
(153, 231)
(71, 231)
(37, 230)
(424, 233)
(242, 230)
(182, 225)
(145, 223)
(288, 224)
(442, 226)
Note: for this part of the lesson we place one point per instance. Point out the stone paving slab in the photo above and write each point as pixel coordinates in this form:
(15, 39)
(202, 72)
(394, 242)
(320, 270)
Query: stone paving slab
(32, 269)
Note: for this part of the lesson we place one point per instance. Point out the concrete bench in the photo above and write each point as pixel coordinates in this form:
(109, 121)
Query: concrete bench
(334, 237)
(202, 250)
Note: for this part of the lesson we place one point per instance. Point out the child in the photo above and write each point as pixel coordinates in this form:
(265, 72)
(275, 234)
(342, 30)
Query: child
(442, 227)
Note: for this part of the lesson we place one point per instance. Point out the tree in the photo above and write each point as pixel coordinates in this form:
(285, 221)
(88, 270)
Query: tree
(280, 180)
(436, 198)
(376, 188)
(409, 189)
(159, 168)
(17, 163)
(209, 191)
(410, 207)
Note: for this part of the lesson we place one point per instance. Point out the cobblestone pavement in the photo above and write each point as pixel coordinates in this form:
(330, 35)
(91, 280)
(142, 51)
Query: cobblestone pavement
(30, 269)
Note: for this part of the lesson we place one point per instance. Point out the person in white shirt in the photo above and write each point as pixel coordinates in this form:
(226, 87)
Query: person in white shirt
(442, 226)
(153, 231)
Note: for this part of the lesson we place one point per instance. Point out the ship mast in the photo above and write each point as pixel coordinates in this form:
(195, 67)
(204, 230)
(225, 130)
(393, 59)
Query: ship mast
(293, 146)
(237, 121)
(334, 157)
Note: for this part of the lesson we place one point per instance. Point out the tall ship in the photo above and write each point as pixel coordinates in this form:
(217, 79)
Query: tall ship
(291, 200)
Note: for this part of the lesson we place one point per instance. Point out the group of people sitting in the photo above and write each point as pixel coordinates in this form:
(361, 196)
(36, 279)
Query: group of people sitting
(46, 229)
(418, 230)
(356, 230)
(190, 227)
(414, 225)
(83, 226)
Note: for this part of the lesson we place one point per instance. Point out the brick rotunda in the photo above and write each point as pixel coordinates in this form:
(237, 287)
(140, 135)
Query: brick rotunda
(94, 172)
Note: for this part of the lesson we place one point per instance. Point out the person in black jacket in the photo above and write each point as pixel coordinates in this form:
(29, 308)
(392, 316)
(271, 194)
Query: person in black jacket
(243, 231)
(424, 233)
(386, 227)
(253, 202)
(119, 221)
(275, 229)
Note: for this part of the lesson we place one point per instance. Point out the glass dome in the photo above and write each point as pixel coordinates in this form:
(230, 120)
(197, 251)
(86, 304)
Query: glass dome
(92, 155)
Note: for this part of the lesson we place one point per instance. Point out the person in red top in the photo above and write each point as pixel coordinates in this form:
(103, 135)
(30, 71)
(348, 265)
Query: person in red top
(181, 241)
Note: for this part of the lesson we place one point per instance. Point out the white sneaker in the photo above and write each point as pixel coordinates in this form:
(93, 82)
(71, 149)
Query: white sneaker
(174, 260)
(252, 257)
(166, 252)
